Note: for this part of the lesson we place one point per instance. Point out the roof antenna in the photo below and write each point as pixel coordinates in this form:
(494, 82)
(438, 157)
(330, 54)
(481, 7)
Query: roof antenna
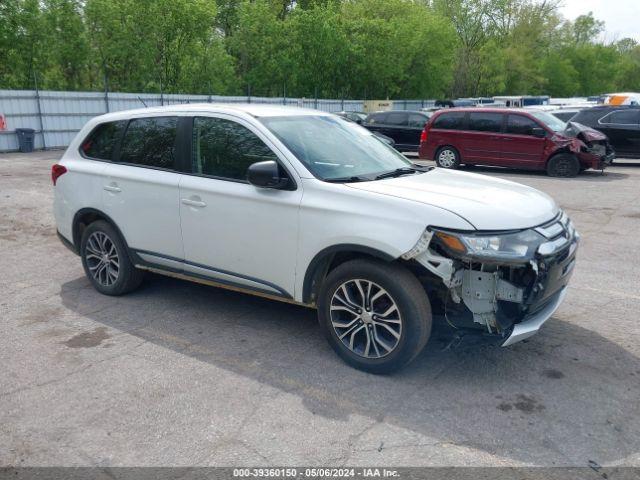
(145, 105)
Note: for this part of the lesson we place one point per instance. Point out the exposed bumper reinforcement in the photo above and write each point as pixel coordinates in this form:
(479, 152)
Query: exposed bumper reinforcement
(533, 323)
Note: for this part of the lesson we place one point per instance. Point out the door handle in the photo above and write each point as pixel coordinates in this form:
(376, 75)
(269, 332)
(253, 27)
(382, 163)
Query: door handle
(194, 203)
(112, 187)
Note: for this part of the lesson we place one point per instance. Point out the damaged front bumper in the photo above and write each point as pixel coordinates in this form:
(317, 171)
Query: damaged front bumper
(511, 298)
(529, 326)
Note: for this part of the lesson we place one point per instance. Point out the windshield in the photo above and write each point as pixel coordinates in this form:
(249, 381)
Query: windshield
(554, 123)
(333, 148)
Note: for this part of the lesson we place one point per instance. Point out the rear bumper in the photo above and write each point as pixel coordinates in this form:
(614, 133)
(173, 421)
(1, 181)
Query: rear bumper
(531, 324)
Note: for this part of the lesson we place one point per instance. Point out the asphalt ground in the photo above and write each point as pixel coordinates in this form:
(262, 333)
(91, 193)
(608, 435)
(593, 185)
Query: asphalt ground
(180, 374)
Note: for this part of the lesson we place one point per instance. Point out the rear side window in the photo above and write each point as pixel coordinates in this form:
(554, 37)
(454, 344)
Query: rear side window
(520, 125)
(101, 142)
(589, 116)
(396, 118)
(225, 149)
(150, 142)
(417, 120)
(450, 121)
(622, 117)
(376, 118)
(485, 122)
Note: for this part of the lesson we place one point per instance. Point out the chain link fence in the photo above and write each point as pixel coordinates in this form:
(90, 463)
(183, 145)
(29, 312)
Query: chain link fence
(58, 116)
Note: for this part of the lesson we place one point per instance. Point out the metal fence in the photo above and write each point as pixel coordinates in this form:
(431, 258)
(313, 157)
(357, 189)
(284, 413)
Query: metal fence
(58, 116)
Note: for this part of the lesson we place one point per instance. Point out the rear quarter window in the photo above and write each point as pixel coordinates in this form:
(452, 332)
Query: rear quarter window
(417, 120)
(100, 143)
(450, 121)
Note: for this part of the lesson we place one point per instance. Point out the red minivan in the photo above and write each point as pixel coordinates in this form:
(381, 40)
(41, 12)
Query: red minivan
(518, 138)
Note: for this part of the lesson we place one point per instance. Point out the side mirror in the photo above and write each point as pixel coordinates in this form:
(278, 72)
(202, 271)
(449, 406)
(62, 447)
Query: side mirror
(538, 132)
(359, 121)
(267, 175)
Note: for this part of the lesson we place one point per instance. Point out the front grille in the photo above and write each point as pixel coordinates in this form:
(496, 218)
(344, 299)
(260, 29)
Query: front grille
(560, 233)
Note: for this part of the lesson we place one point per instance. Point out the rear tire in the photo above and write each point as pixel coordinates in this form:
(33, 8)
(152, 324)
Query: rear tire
(392, 332)
(564, 165)
(447, 157)
(106, 260)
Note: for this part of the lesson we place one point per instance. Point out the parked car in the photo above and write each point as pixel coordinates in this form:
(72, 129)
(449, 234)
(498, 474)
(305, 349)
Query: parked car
(301, 206)
(565, 114)
(384, 138)
(510, 137)
(621, 124)
(404, 126)
(357, 117)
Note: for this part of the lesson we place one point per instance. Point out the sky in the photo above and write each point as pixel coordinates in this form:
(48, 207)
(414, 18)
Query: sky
(622, 17)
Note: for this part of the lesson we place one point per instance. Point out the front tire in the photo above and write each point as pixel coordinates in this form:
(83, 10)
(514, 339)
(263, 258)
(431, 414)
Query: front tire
(448, 157)
(375, 315)
(106, 261)
(564, 165)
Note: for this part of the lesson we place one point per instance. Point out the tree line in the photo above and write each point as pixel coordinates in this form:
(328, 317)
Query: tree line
(312, 48)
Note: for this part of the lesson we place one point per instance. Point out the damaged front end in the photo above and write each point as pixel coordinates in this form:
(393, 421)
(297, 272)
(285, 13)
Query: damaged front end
(590, 146)
(506, 283)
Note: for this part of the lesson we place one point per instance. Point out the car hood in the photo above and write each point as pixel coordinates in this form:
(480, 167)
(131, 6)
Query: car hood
(485, 202)
(584, 133)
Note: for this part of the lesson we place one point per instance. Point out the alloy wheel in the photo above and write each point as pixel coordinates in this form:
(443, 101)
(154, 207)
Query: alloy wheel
(365, 318)
(102, 259)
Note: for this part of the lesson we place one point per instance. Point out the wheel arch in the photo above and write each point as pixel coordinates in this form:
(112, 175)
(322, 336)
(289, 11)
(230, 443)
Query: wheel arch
(329, 258)
(439, 148)
(86, 216)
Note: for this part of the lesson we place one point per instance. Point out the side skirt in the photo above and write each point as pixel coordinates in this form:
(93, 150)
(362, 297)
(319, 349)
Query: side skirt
(213, 283)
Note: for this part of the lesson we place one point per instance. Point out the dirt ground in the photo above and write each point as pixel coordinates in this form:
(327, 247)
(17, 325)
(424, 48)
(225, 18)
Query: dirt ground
(182, 374)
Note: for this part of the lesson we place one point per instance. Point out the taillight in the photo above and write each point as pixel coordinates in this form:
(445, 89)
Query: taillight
(56, 172)
(423, 136)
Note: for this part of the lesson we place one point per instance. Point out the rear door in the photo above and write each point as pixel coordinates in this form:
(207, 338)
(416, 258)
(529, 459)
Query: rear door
(623, 129)
(520, 148)
(482, 142)
(140, 189)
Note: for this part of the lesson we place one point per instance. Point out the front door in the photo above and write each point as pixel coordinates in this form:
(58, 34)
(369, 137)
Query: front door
(233, 232)
(520, 147)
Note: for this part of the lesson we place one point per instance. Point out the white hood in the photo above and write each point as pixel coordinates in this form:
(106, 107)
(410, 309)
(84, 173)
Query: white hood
(487, 203)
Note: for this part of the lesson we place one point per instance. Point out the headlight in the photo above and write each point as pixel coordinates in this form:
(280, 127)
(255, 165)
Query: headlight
(503, 247)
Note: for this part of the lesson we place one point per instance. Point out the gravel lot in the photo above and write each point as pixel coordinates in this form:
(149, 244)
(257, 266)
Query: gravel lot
(182, 374)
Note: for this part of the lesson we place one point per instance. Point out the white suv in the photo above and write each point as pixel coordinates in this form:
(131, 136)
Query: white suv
(305, 207)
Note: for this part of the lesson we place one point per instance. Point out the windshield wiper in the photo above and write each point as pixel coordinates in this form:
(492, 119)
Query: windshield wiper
(347, 179)
(401, 171)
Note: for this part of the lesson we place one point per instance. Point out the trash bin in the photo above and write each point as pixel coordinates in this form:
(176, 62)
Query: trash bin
(26, 137)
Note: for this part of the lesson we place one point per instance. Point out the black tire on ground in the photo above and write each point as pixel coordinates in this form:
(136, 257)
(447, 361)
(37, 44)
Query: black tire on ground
(447, 157)
(101, 236)
(563, 165)
(403, 289)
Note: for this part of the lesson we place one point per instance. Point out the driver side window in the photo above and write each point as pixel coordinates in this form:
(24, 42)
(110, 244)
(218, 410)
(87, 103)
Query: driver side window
(225, 149)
